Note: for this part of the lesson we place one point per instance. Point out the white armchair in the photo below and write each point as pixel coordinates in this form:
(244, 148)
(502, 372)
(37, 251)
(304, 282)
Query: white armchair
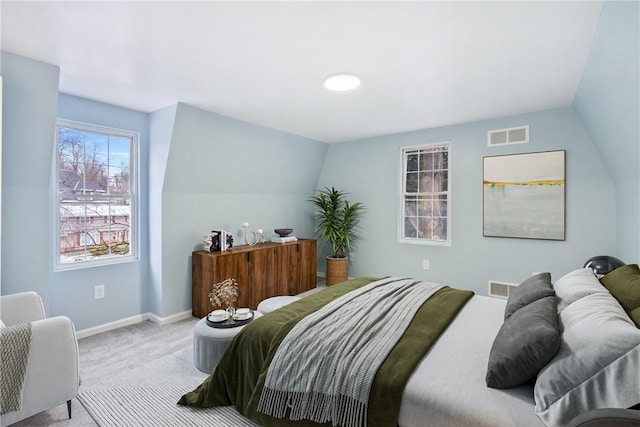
(52, 376)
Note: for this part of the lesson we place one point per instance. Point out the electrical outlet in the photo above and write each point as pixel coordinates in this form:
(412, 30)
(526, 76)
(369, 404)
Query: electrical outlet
(352, 256)
(98, 292)
(425, 264)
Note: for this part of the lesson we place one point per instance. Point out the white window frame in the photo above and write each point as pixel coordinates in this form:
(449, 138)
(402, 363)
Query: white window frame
(133, 195)
(404, 151)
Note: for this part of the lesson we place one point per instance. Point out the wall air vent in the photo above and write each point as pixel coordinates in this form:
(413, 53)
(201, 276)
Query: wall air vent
(501, 289)
(519, 135)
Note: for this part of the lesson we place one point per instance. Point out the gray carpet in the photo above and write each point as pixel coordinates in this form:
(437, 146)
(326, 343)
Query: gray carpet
(143, 356)
(146, 396)
(154, 406)
(140, 356)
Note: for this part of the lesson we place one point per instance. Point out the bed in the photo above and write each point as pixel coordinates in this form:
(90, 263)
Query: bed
(447, 384)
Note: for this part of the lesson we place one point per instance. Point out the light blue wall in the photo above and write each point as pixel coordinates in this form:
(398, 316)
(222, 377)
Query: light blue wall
(28, 126)
(161, 132)
(370, 170)
(608, 101)
(220, 173)
(198, 171)
(31, 104)
(72, 291)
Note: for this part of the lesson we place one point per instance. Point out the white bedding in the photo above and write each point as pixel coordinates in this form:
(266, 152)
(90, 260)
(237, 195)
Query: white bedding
(448, 387)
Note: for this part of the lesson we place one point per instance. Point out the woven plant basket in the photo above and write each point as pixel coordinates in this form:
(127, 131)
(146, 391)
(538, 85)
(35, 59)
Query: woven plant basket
(336, 270)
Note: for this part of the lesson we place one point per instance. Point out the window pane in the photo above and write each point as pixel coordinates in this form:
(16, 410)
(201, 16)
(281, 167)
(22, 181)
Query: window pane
(424, 228)
(412, 162)
(440, 229)
(410, 207)
(119, 180)
(120, 226)
(70, 155)
(426, 161)
(444, 181)
(95, 201)
(438, 160)
(426, 182)
(119, 161)
(445, 160)
(440, 181)
(410, 230)
(93, 167)
(412, 183)
(425, 207)
(440, 208)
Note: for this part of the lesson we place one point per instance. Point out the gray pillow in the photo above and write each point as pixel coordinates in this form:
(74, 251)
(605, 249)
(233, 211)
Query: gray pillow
(598, 365)
(525, 343)
(535, 287)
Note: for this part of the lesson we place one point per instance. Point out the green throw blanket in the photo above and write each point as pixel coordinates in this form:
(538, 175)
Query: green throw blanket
(239, 377)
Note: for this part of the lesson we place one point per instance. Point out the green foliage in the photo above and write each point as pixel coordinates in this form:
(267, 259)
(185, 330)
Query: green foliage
(103, 249)
(337, 219)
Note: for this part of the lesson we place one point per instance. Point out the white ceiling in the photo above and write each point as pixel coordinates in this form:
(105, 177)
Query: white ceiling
(422, 64)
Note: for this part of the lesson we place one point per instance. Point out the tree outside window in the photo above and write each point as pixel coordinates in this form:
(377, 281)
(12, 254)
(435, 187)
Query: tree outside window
(425, 194)
(95, 197)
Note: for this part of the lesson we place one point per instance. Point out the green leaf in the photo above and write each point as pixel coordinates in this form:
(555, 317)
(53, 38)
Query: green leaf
(337, 219)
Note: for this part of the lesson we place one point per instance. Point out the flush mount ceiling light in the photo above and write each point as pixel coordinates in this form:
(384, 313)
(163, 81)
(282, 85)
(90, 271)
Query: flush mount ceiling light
(342, 82)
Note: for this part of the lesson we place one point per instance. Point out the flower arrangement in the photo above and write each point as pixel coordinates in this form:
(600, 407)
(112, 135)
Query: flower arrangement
(224, 294)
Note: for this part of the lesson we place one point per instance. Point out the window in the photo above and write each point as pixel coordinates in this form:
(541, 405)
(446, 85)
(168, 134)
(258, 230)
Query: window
(95, 195)
(425, 198)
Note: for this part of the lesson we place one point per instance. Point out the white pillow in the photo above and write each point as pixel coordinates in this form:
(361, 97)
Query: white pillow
(598, 307)
(2, 325)
(597, 366)
(575, 285)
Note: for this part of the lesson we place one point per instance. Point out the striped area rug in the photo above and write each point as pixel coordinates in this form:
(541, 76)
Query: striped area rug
(154, 407)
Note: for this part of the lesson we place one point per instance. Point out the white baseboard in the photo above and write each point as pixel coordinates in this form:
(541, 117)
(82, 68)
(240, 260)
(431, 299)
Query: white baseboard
(169, 319)
(94, 330)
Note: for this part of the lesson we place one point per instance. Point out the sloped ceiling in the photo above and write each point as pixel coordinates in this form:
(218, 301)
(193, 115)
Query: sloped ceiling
(422, 64)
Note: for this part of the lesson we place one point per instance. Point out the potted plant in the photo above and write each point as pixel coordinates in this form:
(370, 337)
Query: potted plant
(337, 224)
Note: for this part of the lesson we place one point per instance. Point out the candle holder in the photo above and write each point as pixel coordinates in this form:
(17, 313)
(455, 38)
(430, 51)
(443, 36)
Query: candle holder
(252, 237)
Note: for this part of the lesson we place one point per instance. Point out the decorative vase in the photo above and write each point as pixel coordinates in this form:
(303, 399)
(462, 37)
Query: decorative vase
(336, 270)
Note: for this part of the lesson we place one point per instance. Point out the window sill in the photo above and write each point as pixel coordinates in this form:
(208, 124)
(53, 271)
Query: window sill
(425, 242)
(95, 263)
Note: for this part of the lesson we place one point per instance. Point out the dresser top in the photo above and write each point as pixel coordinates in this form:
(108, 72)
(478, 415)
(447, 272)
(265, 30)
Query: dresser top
(257, 246)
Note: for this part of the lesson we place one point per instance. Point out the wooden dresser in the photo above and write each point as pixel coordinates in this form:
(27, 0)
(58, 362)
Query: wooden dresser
(262, 271)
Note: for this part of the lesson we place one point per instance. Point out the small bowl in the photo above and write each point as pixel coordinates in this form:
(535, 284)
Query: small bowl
(283, 232)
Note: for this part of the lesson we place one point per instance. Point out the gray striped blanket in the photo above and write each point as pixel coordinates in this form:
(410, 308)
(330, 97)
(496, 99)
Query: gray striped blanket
(324, 368)
(15, 345)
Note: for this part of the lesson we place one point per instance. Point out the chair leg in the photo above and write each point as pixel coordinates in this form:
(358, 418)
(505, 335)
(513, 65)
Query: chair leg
(69, 408)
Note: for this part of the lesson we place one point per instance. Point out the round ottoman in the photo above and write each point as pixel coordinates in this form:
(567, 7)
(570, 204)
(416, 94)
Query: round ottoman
(274, 303)
(209, 343)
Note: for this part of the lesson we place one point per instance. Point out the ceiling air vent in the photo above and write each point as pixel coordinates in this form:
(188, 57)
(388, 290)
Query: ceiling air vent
(519, 135)
(501, 289)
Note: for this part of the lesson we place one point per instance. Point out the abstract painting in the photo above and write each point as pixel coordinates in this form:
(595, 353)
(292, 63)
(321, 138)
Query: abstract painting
(524, 195)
